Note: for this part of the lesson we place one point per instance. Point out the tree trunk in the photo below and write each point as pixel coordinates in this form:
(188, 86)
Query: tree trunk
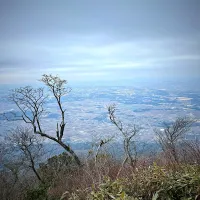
(33, 166)
(69, 150)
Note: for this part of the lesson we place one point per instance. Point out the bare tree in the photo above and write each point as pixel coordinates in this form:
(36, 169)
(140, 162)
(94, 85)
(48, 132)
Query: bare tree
(99, 146)
(190, 151)
(28, 146)
(128, 136)
(31, 103)
(170, 137)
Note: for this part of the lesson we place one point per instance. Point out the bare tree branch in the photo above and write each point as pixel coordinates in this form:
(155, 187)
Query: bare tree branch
(31, 147)
(31, 103)
(172, 135)
(128, 134)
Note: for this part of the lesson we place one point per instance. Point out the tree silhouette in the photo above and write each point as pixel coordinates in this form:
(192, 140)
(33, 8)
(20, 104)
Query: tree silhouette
(31, 103)
(172, 135)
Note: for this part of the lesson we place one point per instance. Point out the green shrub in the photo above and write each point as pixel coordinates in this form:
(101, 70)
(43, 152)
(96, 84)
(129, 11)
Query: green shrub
(110, 190)
(161, 184)
(153, 183)
(39, 193)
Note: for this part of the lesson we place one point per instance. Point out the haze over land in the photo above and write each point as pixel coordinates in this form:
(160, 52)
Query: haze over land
(87, 116)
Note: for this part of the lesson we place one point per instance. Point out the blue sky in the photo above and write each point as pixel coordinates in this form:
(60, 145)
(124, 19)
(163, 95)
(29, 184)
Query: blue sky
(99, 41)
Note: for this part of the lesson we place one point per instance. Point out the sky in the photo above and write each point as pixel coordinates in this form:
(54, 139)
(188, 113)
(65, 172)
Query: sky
(99, 41)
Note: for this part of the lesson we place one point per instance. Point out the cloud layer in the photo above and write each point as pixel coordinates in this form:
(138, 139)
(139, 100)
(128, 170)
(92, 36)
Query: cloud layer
(99, 41)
